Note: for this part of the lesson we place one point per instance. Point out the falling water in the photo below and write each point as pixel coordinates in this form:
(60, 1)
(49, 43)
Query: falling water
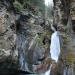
(48, 71)
(65, 71)
(48, 2)
(55, 46)
(54, 49)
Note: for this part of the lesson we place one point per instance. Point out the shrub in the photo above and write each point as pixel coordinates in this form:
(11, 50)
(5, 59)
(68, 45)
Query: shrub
(18, 7)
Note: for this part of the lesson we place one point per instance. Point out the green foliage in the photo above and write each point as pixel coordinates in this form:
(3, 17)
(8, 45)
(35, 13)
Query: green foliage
(34, 3)
(18, 7)
(47, 33)
(70, 57)
(39, 39)
(65, 39)
(50, 11)
(39, 5)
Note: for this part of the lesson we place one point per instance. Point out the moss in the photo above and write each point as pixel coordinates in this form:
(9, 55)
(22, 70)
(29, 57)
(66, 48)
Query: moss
(66, 39)
(18, 7)
(46, 46)
(39, 39)
(70, 57)
(47, 33)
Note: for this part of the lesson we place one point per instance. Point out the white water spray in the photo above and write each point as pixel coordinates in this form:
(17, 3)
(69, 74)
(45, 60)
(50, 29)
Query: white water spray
(54, 49)
(48, 71)
(55, 46)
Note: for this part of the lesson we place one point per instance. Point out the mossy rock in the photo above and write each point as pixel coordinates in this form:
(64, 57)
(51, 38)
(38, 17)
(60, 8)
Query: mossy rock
(18, 7)
(39, 40)
(70, 57)
(47, 33)
(66, 39)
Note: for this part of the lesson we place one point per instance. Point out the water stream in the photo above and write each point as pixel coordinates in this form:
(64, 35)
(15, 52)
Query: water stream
(55, 46)
(65, 71)
(48, 71)
(54, 50)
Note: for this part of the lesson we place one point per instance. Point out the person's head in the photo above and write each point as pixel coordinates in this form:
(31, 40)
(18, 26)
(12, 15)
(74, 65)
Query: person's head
(54, 27)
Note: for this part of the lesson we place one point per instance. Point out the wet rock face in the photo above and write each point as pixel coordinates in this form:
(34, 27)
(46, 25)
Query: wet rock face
(30, 36)
(7, 35)
(24, 32)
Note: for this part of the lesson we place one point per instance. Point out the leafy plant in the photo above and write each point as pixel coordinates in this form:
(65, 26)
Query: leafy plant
(18, 7)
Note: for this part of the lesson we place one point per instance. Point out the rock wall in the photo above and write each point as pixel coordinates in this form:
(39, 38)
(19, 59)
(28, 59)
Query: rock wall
(65, 27)
(26, 32)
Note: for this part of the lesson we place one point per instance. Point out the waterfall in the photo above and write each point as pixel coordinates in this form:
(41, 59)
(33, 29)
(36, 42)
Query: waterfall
(55, 46)
(65, 71)
(54, 50)
(48, 71)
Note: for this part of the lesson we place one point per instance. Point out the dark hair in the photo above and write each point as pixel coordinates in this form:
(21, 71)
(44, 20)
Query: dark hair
(55, 26)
